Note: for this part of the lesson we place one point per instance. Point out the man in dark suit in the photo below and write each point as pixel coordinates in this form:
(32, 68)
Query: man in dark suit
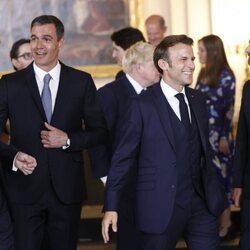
(6, 231)
(54, 115)
(241, 176)
(166, 134)
(115, 97)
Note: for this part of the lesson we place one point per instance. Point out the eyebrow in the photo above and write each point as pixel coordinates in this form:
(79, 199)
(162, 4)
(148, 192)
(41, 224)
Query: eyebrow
(46, 35)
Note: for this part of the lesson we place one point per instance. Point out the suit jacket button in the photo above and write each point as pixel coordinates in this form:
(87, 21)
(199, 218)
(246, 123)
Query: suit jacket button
(173, 186)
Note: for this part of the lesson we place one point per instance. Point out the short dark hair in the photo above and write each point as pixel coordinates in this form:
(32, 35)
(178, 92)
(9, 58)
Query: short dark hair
(14, 52)
(49, 19)
(127, 37)
(161, 51)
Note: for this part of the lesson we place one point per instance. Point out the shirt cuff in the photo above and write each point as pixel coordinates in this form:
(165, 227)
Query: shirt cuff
(104, 180)
(14, 168)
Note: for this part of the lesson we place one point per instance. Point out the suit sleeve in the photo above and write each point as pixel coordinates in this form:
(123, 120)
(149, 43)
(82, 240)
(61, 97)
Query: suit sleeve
(124, 157)
(241, 148)
(100, 156)
(95, 131)
(7, 152)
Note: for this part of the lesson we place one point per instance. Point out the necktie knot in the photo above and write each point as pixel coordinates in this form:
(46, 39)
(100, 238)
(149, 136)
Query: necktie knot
(46, 97)
(180, 97)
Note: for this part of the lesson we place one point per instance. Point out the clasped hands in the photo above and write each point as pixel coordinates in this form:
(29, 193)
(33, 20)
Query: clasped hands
(50, 138)
(53, 137)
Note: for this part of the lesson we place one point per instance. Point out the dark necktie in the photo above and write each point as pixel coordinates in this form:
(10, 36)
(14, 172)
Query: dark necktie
(183, 110)
(46, 97)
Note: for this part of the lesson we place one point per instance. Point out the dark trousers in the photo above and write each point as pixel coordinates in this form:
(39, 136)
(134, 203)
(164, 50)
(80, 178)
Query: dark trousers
(128, 236)
(195, 224)
(245, 224)
(48, 223)
(6, 232)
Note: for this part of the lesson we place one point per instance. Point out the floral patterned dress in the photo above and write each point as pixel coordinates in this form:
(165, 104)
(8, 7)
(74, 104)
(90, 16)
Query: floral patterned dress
(220, 105)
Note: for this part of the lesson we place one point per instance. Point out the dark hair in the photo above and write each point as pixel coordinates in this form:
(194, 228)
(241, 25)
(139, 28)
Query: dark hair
(14, 52)
(161, 51)
(127, 37)
(216, 61)
(49, 19)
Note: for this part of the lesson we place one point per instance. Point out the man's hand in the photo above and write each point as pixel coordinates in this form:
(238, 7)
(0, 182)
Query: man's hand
(236, 196)
(53, 137)
(110, 218)
(25, 163)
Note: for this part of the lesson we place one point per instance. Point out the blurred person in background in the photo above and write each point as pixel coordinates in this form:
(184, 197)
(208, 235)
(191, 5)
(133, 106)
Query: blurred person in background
(21, 57)
(155, 29)
(217, 81)
(20, 54)
(122, 40)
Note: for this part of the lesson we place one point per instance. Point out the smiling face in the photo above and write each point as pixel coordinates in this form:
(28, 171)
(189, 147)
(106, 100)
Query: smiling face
(178, 72)
(45, 46)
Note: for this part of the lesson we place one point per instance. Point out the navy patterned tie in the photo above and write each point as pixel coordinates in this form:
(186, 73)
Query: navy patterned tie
(46, 97)
(183, 110)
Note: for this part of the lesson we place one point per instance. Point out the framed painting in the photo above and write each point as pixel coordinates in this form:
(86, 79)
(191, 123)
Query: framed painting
(88, 26)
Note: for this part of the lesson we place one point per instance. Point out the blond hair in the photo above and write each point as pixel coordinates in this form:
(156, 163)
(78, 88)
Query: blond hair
(139, 53)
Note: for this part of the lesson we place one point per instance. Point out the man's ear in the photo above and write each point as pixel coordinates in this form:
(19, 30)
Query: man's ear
(61, 42)
(163, 64)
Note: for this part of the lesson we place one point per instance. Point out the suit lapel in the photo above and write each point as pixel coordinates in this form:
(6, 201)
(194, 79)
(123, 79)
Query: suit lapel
(61, 98)
(161, 107)
(32, 85)
(195, 106)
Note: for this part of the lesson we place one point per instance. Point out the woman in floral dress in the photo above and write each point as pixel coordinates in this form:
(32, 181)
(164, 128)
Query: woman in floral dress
(217, 81)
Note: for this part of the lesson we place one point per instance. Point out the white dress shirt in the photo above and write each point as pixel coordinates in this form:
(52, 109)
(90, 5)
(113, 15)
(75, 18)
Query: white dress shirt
(137, 87)
(54, 82)
(170, 93)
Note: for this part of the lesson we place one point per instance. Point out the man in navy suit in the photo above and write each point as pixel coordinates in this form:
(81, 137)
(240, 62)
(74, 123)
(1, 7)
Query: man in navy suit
(54, 114)
(115, 97)
(166, 135)
(241, 177)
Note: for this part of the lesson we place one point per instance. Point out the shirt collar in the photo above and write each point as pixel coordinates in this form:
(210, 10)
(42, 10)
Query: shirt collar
(168, 91)
(137, 87)
(54, 73)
